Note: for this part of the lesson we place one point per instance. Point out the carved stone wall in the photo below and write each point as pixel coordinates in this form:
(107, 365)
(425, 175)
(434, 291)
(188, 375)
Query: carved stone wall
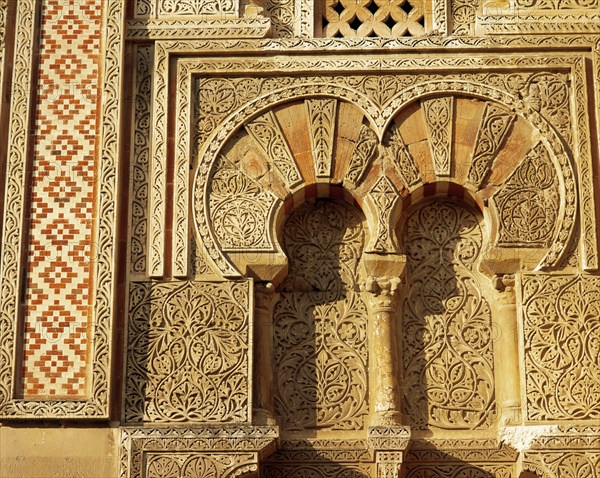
(448, 374)
(327, 238)
(188, 353)
(320, 322)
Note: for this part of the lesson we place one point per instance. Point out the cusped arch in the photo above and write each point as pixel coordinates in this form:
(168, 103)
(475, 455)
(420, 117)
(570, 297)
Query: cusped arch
(443, 132)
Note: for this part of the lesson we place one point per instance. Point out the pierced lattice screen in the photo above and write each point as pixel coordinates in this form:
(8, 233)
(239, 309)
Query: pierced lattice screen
(373, 18)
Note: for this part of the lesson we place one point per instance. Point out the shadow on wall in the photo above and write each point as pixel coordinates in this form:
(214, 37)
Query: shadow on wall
(446, 322)
(320, 322)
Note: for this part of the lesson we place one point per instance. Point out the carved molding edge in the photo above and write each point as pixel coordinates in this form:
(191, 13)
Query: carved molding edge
(237, 448)
(97, 406)
(14, 201)
(586, 173)
(565, 451)
(153, 29)
(543, 24)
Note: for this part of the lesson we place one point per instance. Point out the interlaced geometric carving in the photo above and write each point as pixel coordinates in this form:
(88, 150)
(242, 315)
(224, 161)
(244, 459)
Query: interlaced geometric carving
(447, 337)
(373, 18)
(320, 322)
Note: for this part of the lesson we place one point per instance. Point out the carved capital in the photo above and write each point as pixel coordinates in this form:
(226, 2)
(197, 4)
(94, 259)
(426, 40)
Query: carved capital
(505, 284)
(383, 291)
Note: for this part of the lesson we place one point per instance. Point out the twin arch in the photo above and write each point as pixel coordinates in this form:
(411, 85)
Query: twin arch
(429, 139)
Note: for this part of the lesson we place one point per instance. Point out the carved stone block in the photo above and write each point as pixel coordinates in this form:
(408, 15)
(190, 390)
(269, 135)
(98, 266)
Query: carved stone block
(188, 352)
(561, 351)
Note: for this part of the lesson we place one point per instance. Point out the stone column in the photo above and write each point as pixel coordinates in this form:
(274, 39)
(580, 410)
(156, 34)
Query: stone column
(384, 388)
(264, 300)
(507, 354)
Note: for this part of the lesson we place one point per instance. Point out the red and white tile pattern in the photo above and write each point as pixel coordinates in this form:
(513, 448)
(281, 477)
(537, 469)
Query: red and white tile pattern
(60, 263)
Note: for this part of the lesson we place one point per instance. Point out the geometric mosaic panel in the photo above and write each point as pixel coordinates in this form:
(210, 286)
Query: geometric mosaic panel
(59, 268)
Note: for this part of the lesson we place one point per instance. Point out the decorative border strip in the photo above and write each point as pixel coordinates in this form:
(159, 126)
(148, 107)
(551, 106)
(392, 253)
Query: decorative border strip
(532, 23)
(97, 405)
(16, 172)
(137, 250)
(219, 27)
(137, 441)
(583, 151)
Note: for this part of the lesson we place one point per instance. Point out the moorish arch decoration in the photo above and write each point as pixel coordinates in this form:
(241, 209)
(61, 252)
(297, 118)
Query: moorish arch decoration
(515, 166)
(447, 328)
(320, 322)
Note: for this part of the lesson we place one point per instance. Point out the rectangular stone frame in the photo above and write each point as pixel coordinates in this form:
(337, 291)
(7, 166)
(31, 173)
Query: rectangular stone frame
(246, 440)
(198, 57)
(13, 235)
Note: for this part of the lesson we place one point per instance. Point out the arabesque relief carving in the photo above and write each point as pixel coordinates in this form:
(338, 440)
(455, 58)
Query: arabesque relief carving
(140, 166)
(240, 205)
(320, 322)
(495, 126)
(188, 352)
(447, 347)
(561, 333)
(439, 119)
(528, 203)
(465, 132)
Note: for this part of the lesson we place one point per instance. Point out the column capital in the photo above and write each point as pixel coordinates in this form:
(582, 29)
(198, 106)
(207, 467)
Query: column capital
(383, 291)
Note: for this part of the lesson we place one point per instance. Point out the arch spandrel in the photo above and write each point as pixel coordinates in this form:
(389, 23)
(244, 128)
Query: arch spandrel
(440, 131)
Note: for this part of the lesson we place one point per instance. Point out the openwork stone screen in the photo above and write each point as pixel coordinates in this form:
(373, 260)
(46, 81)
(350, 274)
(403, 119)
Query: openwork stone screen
(373, 18)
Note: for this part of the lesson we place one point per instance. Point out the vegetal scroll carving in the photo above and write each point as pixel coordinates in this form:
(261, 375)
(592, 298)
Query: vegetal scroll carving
(439, 118)
(240, 208)
(322, 115)
(464, 14)
(447, 337)
(548, 93)
(364, 152)
(317, 470)
(188, 352)
(141, 155)
(556, 4)
(320, 322)
(528, 203)
(385, 197)
(495, 125)
(198, 465)
(266, 131)
(561, 326)
(400, 157)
